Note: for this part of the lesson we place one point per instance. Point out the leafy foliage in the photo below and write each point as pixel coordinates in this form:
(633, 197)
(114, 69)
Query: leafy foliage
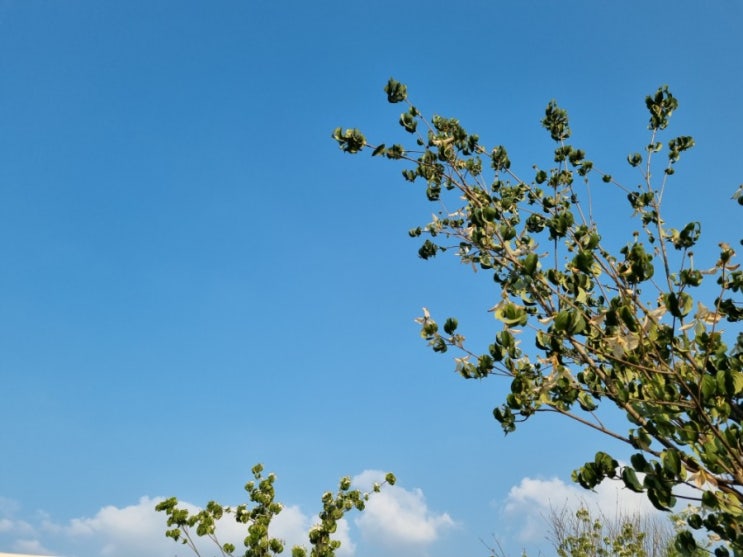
(590, 540)
(587, 533)
(584, 534)
(185, 527)
(628, 329)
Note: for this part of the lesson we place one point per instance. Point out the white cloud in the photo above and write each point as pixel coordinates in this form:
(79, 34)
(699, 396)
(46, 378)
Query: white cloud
(343, 535)
(395, 517)
(139, 530)
(119, 532)
(18, 527)
(398, 516)
(17, 534)
(8, 507)
(291, 525)
(112, 532)
(529, 503)
(30, 547)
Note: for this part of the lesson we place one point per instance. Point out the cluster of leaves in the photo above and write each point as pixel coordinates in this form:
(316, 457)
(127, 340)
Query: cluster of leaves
(187, 527)
(626, 328)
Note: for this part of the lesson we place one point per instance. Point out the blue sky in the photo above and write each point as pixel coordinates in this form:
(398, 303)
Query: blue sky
(195, 279)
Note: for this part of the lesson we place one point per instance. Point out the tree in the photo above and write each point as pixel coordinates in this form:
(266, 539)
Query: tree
(627, 329)
(186, 527)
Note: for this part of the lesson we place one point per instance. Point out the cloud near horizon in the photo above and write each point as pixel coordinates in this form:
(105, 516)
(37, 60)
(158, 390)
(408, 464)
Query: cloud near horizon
(396, 517)
(528, 505)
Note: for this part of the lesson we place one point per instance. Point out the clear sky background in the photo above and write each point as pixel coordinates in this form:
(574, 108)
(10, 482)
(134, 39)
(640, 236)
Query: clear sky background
(195, 279)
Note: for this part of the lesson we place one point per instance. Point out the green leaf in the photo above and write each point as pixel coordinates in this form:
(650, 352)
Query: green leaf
(690, 277)
(660, 500)
(709, 500)
(396, 91)
(685, 543)
(408, 122)
(351, 141)
(561, 322)
(606, 464)
(585, 262)
(530, 263)
(560, 224)
(428, 250)
(630, 480)
(726, 383)
(671, 462)
(661, 106)
(708, 387)
(690, 234)
(737, 383)
(634, 159)
(640, 464)
(499, 159)
(511, 315)
(570, 322)
(556, 122)
(586, 402)
(395, 152)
